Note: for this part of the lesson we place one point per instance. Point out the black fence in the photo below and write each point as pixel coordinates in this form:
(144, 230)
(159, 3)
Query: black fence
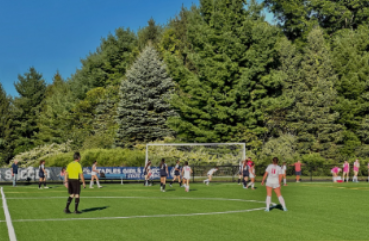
(308, 173)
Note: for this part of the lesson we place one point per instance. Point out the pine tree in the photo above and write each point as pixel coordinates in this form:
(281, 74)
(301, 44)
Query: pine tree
(143, 109)
(226, 81)
(313, 118)
(31, 89)
(151, 34)
(5, 127)
(107, 65)
(54, 119)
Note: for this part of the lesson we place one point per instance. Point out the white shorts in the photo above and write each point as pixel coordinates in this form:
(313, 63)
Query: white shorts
(93, 173)
(283, 172)
(187, 177)
(252, 175)
(272, 184)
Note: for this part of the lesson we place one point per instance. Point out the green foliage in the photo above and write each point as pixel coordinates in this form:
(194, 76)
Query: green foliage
(151, 34)
(31, 88)
(5, 127)
(227, 79)
(298, 17)
(143, 108)
(282, 147)
(312, 118)
(107, 65)
(108, 158)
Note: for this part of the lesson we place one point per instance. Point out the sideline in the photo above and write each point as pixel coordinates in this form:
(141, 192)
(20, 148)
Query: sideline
(8, 219)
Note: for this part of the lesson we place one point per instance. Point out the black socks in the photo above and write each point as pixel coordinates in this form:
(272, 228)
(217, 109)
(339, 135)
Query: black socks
(76, 202)
(68, 202)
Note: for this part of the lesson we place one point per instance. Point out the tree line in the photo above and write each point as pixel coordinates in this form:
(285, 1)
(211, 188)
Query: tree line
(217, 72)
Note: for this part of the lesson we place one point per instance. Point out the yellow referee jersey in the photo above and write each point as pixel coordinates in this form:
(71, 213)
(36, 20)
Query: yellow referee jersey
(74, 169)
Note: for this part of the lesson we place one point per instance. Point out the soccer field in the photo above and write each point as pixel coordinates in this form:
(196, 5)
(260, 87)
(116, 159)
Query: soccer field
(221, 211)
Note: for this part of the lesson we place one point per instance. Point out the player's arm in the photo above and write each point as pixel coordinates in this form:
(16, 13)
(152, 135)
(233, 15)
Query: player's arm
(43, 169)
(82, 178)
(66, 176)
(264, 177)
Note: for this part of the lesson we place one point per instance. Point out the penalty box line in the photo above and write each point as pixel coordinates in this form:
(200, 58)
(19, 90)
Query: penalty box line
(142, 216)
(8, 219)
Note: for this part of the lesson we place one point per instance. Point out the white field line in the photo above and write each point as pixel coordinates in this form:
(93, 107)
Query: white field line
(143, 216)
(8, 219)
(166, 198)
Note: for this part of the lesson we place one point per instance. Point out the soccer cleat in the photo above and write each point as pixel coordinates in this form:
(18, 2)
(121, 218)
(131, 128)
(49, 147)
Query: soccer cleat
(266, 210)
(100, 186)
(91, 187)
(163, 191)
(285, 209)
(40, 188)
(77, 212)
(170, 185)
(46, 187)
(66, 211)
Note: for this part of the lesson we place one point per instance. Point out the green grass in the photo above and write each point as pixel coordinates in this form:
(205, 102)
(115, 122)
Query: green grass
(316, 211)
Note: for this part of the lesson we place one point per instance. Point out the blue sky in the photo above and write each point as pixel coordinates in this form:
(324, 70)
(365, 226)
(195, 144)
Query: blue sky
(54, 35)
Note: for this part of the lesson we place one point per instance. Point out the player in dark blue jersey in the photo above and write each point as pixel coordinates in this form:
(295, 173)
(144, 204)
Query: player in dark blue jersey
(177, 173)
(163, 174)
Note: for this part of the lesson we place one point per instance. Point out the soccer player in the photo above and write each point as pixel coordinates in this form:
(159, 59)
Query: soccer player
(163, 174)
(42, 174)
(274, 178)
(177, 174)
(356, 170)
(335, 171)
(240, 167)
(147, 173)
(14, 170)
(252, 176)
(94, 172)
(346, 170)
(245, 173)
(72, 175)
(210, 175)
(297, 170)
(284, 173)
(186, 175)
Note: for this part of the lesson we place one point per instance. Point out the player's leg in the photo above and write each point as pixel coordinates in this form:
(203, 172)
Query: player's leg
(44, 180)
(98, 181)
(239, 179)
(164, 182)
(285, 179)
(39, 183)
(92, 181)
(268, 198)
(280, 198)
(161, 183)
(209, 179)
(179, 181)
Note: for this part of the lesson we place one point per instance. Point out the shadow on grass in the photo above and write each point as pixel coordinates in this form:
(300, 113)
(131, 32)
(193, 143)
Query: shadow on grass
(94, 209)
(278, 206)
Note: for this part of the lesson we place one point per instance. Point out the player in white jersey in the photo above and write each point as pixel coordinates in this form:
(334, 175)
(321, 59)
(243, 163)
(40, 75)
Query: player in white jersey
(94, 172)
(186, 175)
(210, 175)
(147, 173)
(177, 173)
(273, 182)
(252, 176)
(284, 173)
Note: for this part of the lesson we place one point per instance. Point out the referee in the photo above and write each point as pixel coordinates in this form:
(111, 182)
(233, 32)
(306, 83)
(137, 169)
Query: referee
(72, 175)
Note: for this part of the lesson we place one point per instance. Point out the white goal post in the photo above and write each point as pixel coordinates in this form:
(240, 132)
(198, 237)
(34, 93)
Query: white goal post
(243, 145)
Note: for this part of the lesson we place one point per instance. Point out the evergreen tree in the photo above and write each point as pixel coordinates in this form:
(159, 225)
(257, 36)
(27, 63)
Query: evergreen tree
(227, 80)
(55, 117)
(5, 127)
(31, 89)
(312, 118)
(143, 109)
(107, 65)
(151, 34)
(298, 17)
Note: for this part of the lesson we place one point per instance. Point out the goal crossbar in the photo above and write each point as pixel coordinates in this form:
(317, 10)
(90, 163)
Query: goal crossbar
(194, 144)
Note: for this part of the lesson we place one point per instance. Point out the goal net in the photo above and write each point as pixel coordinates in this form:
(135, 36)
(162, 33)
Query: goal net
(200, 156)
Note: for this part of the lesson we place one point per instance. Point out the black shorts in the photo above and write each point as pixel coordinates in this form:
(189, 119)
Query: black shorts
(41, 175)
(74, 186)
(298, 173)
(246, 173)
(163, 175)
(176, 174)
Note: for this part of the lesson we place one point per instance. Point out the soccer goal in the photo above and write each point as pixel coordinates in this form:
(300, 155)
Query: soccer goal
(201, 157)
